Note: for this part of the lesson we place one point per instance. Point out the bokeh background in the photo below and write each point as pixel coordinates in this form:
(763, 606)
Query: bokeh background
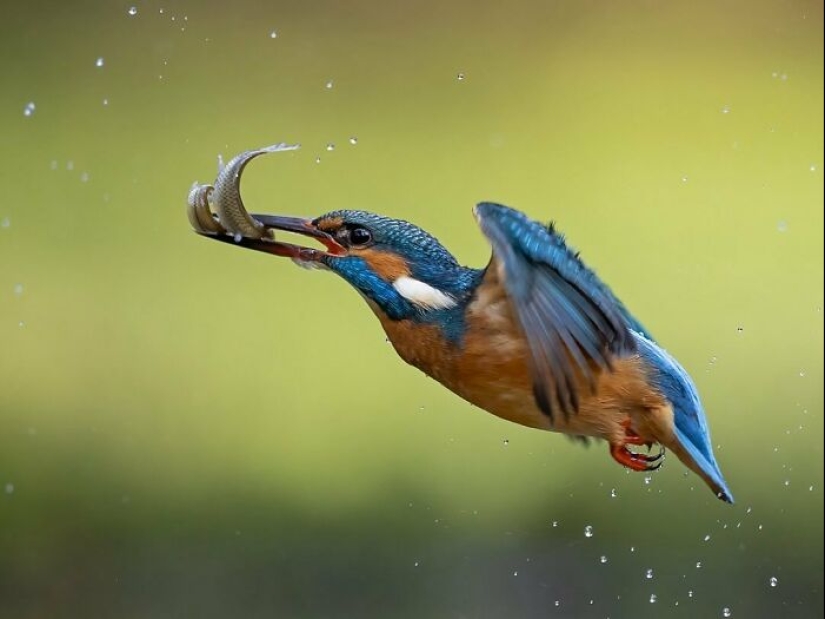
(190, 430)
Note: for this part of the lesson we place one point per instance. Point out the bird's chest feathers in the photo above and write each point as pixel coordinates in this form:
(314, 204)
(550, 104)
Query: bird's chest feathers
(487, 365)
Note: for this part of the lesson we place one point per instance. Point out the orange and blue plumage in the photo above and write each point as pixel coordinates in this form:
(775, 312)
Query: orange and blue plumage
(535, 337)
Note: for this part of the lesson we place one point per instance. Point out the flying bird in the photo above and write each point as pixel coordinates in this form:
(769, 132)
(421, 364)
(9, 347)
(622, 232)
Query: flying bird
(534, 337)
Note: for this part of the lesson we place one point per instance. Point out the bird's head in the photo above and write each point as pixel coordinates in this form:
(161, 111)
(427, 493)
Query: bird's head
(401, 269)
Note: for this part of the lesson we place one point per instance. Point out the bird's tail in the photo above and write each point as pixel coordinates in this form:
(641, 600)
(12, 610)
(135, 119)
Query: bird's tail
(702, 463)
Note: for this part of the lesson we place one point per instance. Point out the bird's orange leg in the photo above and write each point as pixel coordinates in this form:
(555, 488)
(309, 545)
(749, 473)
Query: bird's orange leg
(632, 460)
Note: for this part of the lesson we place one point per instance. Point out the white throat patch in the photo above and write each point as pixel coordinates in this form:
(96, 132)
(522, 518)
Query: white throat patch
(423, 295)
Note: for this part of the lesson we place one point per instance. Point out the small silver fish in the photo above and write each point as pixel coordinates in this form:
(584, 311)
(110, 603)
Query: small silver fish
(229, 216)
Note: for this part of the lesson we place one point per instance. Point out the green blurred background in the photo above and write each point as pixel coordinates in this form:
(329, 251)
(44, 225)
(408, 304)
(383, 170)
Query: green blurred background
(190, 430)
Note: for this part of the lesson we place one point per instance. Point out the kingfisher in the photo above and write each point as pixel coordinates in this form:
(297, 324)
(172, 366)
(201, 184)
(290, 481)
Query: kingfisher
(534, 337)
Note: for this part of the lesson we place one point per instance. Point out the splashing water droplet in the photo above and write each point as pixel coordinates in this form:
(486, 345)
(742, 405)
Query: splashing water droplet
(99, 62)
(698, 565)
(613, 493)
(690, 594)
(29, 108)
(653, 598)
(726, 612)
(132, 11)
(648, 479)
(555, 523)
(774, 581)
(602, 559)
(649, 574)
(588, 531)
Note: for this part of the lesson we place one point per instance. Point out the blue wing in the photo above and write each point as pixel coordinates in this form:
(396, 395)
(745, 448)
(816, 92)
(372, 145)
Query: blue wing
(573, 323)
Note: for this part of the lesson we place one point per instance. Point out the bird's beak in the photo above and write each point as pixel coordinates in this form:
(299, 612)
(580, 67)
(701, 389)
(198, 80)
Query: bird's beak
(296, 225)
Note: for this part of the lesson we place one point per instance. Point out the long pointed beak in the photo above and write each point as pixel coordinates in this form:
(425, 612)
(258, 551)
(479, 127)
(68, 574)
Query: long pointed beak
(295, 225)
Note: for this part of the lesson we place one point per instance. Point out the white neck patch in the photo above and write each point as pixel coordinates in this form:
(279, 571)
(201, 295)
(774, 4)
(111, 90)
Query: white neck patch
(422, 294)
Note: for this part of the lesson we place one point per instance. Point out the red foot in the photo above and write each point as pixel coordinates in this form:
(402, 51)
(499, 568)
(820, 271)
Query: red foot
(634, 461)
(630, 459)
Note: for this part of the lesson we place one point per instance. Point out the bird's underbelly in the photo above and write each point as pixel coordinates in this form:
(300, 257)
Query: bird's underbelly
(491, 371)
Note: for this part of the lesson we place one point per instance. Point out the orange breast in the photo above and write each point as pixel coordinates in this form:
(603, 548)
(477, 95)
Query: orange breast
(490, 368)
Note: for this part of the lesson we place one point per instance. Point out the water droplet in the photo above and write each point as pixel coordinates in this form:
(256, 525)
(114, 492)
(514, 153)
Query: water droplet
(555, 523)
(787, 482)
(726, 612)
(613, 493)
(317, 160)
(29, 108)
(18, 289)
(99, 62)
(5, 222)
(273, 35)
(740, 329)
(105, 102)
(653, 598)
(698, 565)
(649, 574)
(506, 442)
(9, 488)
(810, 488)
(633, 549)
(812, 168)
(238, 237)
(749, 510)
(684, 179)
(648, 479)
(353, 140)
(802, 373)
(782, 226)
(70, 165)
(706, 538)
(690, 594)
(330, 146)
(759, 528)
(726, 109)
(133, 11)
(460, 77)
(588, 531)
(515, 573)
(329, 84)
(21, 324)
(556, 603)
(84, 177)
(602, 559)
(415, 564)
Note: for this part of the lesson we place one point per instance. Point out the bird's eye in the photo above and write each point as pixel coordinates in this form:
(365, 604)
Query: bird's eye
(359, 235)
